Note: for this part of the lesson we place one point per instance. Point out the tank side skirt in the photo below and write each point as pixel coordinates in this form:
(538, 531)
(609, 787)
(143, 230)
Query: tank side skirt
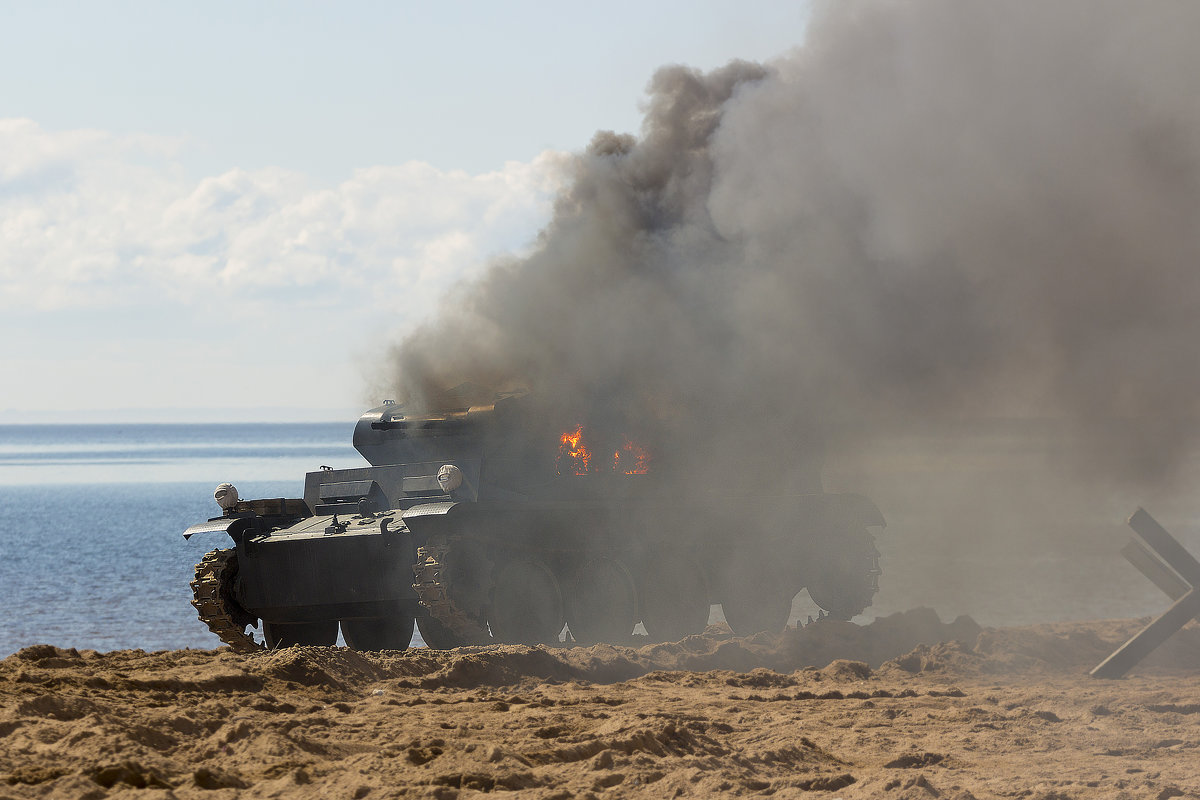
(286, 572)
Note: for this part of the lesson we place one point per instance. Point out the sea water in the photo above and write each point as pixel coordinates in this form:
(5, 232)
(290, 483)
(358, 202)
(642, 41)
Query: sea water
(92, 556)
(91, 521)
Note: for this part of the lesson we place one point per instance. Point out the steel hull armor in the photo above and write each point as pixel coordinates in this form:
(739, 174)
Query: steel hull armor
(487, 523)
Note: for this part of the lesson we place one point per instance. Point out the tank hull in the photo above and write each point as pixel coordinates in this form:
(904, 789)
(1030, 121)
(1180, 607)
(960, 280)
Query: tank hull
(468, 523)
(303, 574)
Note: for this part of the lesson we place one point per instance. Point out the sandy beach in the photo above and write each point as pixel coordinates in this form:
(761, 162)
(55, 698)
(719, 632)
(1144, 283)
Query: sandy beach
(906, 707)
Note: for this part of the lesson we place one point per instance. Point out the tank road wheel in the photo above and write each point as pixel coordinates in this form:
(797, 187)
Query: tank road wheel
(601, 604)
(674, 598)
(379, 633)
(527, 604)
(300, 634)
(750, 609)
(755, 597)
(845, 582)
(437, 636)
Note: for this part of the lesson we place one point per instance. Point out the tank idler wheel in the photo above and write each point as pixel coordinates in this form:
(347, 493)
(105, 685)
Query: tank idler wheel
(437, 636)
(601, 602)
(846, 582)
(301, 634)
(674, 598)
(378, 633)
(527, 606)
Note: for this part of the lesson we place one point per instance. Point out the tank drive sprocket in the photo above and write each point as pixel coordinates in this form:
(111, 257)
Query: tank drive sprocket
(212, 597)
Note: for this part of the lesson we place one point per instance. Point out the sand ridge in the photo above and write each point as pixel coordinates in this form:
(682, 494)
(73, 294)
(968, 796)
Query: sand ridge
(907, 707)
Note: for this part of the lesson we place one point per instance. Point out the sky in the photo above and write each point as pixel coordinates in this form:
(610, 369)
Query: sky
(230, 211)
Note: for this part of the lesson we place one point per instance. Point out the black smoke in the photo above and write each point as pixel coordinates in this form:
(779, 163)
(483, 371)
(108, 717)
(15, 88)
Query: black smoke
(930, 211)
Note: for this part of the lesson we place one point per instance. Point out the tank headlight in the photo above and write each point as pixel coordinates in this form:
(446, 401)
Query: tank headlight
(449, 477)
(226, 496)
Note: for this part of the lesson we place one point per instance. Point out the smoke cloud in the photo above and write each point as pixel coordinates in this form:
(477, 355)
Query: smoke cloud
(930, 211)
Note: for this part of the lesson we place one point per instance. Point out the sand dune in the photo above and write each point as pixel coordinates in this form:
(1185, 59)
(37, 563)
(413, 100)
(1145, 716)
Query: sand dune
(907, 707)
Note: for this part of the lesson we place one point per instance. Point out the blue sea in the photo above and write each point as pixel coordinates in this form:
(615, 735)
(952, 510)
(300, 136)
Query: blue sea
(91, 516)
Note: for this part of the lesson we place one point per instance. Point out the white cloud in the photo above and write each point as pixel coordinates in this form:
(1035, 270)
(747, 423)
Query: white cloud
(90, 218)
(123, 278)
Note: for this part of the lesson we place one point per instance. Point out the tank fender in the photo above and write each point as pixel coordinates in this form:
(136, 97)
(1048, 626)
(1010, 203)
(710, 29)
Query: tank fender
(234, 526)
(853, 510)
(424, 518)
(429, 510)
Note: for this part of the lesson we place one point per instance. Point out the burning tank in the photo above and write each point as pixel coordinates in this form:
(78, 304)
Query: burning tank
(503, 522)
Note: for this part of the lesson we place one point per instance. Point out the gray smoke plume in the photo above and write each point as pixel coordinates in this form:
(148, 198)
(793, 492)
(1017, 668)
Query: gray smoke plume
(932, 210)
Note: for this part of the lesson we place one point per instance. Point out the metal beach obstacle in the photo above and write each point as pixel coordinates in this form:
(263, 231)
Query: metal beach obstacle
(1160, 557)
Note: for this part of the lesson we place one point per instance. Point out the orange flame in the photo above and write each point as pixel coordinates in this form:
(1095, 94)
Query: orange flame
(632, 458)
(573, 455)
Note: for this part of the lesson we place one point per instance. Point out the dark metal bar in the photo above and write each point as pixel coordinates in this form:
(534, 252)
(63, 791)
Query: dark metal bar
(1149, 637)
(1153, 568)
(1162, 559)
(1166, 546)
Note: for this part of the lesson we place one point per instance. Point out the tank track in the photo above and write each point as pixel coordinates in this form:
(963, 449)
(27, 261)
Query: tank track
(212, 597)
(432, 583)
(875, 570)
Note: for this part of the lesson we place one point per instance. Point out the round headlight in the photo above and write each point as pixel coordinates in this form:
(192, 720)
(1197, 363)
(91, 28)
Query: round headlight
(449, 477)
(226, 496)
